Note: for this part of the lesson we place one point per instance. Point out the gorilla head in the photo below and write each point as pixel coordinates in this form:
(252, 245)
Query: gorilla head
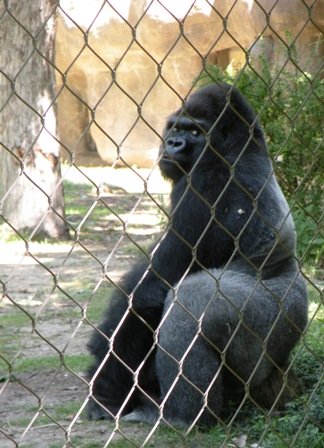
(198, 132)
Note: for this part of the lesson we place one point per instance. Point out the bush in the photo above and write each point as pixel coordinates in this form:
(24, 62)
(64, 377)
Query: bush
(289, 107)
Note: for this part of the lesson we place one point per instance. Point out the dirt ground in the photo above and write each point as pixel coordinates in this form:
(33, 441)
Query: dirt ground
(55, 389)
(43, 305)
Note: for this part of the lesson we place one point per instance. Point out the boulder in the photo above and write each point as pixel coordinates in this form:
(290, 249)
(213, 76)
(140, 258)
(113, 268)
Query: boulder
(122, 69)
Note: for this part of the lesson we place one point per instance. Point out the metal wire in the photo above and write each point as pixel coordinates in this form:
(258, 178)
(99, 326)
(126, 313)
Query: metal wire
(52, 294)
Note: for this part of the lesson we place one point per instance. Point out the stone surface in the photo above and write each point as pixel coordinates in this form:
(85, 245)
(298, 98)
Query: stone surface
(120, 75)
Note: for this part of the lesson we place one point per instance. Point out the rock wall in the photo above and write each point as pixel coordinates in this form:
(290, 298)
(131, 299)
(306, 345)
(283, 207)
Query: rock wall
(124, 66)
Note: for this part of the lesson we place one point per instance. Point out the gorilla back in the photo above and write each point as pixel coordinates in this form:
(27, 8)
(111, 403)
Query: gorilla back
(219, 303)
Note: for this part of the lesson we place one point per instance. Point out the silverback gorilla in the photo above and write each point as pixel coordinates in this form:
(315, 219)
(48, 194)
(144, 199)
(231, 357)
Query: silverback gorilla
(219, 303)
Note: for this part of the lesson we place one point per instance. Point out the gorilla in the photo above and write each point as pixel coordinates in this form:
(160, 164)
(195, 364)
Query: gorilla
(219, 303)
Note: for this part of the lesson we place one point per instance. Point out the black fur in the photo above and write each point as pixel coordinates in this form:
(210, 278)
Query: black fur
(222, 285)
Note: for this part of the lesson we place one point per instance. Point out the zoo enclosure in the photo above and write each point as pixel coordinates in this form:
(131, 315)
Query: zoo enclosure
(288, 99)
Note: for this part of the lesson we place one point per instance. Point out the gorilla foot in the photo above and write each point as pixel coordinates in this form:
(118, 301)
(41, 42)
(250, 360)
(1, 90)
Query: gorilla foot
(146, 414)
(96, 411)
(151, 415)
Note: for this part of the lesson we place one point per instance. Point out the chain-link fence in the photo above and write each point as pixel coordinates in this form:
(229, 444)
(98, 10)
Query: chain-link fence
(146, 310)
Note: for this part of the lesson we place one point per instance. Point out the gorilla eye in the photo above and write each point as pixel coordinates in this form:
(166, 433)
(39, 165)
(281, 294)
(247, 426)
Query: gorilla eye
(194, 132)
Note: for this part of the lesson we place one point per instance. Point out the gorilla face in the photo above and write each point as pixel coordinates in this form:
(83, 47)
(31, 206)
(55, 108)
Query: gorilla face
(185, 139)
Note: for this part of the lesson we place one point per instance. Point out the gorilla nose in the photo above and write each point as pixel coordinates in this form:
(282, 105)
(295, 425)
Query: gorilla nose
(175, 144)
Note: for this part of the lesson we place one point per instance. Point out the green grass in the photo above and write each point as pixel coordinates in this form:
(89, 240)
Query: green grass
(86, 299)
(16, 328)
(88, 216)
(13, 328)
(6, 233)
(75, 363)
(17, 318)
(79, 212)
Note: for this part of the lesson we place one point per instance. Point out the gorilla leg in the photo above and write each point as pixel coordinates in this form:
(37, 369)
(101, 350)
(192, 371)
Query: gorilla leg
(188, 370)
(253, 323)
(264, 320)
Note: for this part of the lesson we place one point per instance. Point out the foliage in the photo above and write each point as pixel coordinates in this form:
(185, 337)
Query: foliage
(302, 421)
(289, 107)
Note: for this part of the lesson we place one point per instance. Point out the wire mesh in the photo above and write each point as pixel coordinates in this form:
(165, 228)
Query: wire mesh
(63, 255)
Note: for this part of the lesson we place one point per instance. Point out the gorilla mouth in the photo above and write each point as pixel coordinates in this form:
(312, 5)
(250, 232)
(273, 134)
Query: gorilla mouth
(167, 158)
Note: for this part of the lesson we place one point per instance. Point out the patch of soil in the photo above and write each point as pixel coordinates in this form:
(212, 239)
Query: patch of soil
(28, 414)
(44, 283)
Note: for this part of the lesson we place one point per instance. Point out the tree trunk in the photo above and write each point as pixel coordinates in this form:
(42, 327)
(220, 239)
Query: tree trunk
(31, 189)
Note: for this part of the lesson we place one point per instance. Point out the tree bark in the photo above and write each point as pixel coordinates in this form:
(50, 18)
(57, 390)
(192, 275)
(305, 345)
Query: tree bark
(31, 189)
